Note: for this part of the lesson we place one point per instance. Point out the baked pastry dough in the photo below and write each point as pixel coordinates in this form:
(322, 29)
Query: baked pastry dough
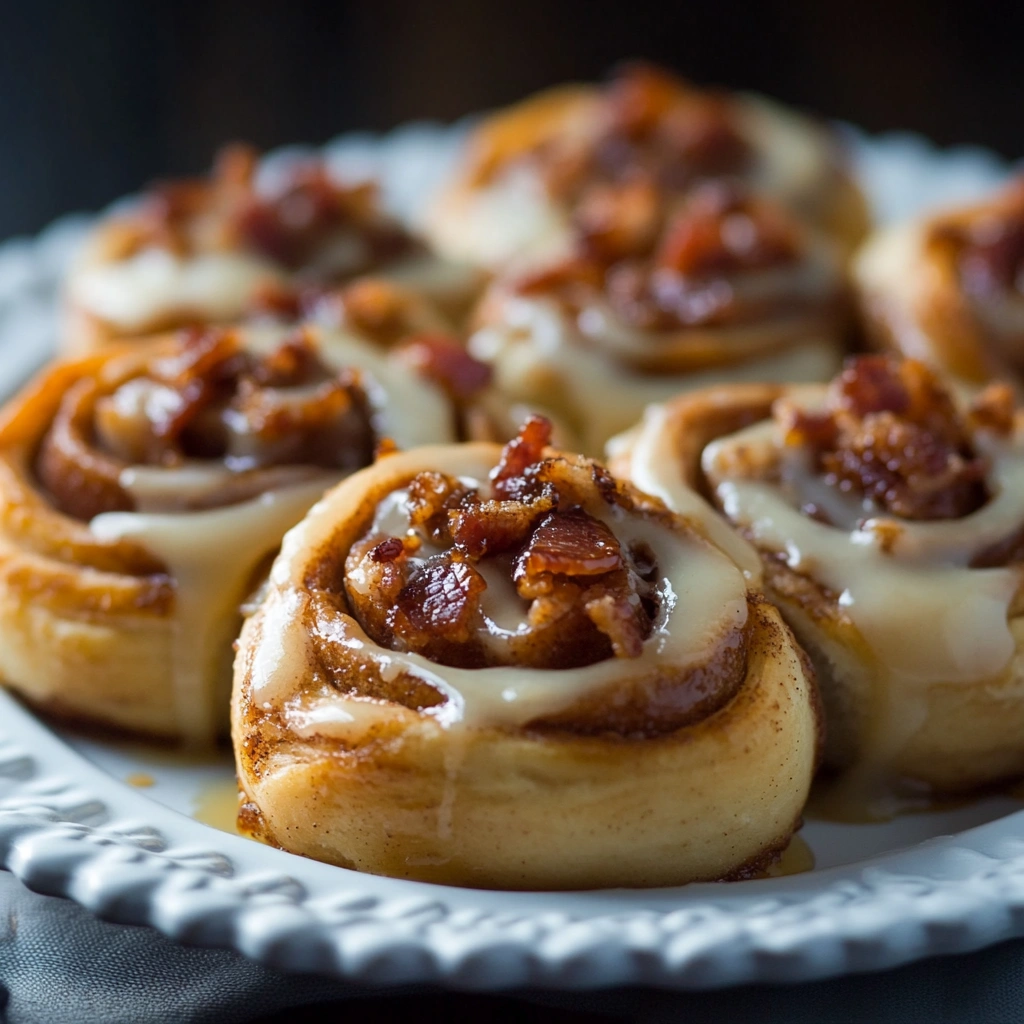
(144, 490)
(500, 667)
(205, 251)
(888, 516)
(949, 289)
(657, 299)
(526, 170)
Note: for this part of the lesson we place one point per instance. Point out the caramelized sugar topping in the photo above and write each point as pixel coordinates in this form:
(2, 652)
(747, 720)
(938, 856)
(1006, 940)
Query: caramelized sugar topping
(210, 399)
(891, 434)
(669, 265)
(296, 223)
(533, 575)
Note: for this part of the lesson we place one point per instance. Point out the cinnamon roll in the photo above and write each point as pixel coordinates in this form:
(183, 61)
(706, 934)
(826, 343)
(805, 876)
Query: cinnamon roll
(948, 289)
(143, 492)
(526, 170)
(503, 668)
(203, 251)
(887, 513)
(726, 285)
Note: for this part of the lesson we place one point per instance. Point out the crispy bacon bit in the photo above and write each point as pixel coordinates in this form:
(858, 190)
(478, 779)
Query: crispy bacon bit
(430, 498)
(522, 452)
(808, 429)
(296, 224)
(661, 272)
(570, 544)
(616, 221)
(993, 409)
(891, 433)
(722, 231)
(620, 621)
(490, 527)
(211, 399)
(439, 602)
(388, 550)
(443, 360)
(658, 121)
(583, 597)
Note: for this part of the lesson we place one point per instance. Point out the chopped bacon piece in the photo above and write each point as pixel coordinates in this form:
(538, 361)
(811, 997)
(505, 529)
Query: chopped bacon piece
(388, 550)
(807, 429)
(721, 231)
(615, 221)
(490, 527)
(439, 601)
(891, 432)
(583, 598)
(522, 452)
(620, 620)
(431, 496)
(906, 470)
(656, 119)
(570, 544)
(443, 360)
(993, 409)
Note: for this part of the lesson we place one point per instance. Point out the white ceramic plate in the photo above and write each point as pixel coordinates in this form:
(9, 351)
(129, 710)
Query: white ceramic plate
(112, 825)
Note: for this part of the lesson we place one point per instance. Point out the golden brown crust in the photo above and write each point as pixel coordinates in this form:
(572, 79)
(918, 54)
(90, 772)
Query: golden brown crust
(645, 776)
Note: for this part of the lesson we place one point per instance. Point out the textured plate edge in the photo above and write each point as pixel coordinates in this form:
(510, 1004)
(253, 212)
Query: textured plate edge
(60, 835)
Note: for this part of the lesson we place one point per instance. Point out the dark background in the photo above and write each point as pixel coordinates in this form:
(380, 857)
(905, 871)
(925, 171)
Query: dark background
(99, 96)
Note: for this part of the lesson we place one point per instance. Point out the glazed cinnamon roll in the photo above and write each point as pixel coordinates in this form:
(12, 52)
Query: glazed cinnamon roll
(724, 286)
(888, 516)
(501, 667)
(948, 289)
(526, 170)
(143, 492)
(203, 251)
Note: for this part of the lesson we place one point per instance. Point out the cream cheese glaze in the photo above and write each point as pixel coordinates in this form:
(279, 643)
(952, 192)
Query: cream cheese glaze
(703, 606)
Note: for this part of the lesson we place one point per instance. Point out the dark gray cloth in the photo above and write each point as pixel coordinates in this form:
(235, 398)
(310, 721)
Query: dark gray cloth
(59, 965)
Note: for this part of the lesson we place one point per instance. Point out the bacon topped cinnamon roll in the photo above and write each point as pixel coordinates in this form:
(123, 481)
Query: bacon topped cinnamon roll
(202, 251)
(527, 170)
(654, 300)
(888, 515)
(949, 289)
(471, 660)
(144, 490)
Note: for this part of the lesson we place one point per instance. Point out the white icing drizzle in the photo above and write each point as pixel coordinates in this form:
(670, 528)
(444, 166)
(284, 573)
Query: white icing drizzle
(702, 602)
(654, 467)
(211, 556)
(537, 350)
(154, 284)
(513, 218)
